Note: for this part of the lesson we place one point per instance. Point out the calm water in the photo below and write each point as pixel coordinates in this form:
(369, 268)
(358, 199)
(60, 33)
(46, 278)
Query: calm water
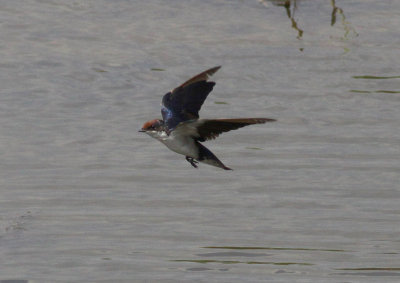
(313, 197)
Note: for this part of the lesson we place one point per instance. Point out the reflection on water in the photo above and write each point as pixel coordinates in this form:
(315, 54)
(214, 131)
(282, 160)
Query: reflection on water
(291, 6)
(375, 91)
(376, 77)
(347, 27)
(234, 255)
(372, 269)
(241, 262)
(276, 248)
(382, 271)
(370, 274)
(366, 77)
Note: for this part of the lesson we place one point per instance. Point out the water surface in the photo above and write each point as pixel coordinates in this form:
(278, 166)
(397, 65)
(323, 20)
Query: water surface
(313, 197)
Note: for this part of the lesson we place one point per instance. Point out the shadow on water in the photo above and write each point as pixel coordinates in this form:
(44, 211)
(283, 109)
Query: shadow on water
(291, 6)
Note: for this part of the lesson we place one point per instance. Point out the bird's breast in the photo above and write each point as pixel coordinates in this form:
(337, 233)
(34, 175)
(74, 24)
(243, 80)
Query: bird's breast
(181, 144)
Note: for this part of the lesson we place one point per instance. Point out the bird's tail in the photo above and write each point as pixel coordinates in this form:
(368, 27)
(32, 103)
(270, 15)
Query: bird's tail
(206, 156)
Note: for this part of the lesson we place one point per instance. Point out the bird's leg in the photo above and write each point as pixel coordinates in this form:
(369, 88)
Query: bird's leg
(192, 161)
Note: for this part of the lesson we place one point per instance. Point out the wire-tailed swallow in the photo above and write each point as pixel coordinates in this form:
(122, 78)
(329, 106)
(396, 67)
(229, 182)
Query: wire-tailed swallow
(181, 130)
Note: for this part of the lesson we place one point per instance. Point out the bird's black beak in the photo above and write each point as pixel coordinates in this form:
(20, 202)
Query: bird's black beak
(141, 131)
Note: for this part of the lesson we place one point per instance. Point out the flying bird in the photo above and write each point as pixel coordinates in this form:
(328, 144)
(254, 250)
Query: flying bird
(181, 129)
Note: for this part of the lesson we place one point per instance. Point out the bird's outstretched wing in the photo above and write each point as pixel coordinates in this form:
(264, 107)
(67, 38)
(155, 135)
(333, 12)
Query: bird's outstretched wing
(184, 102)
(210, 129)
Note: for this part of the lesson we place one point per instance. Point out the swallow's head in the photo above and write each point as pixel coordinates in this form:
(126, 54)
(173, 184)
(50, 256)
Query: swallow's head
(154, 125)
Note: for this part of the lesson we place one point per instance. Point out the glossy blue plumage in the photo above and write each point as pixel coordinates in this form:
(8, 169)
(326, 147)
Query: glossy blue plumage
(184, 103)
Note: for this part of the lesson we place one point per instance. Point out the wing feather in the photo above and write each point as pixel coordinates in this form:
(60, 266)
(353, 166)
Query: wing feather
(185, 101)
(204, 76)
(210, 129)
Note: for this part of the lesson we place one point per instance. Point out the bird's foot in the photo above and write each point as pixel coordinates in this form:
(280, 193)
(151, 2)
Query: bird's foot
(192, 161)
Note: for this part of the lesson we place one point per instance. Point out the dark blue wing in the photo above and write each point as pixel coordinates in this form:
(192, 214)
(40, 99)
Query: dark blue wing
(184, 103)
